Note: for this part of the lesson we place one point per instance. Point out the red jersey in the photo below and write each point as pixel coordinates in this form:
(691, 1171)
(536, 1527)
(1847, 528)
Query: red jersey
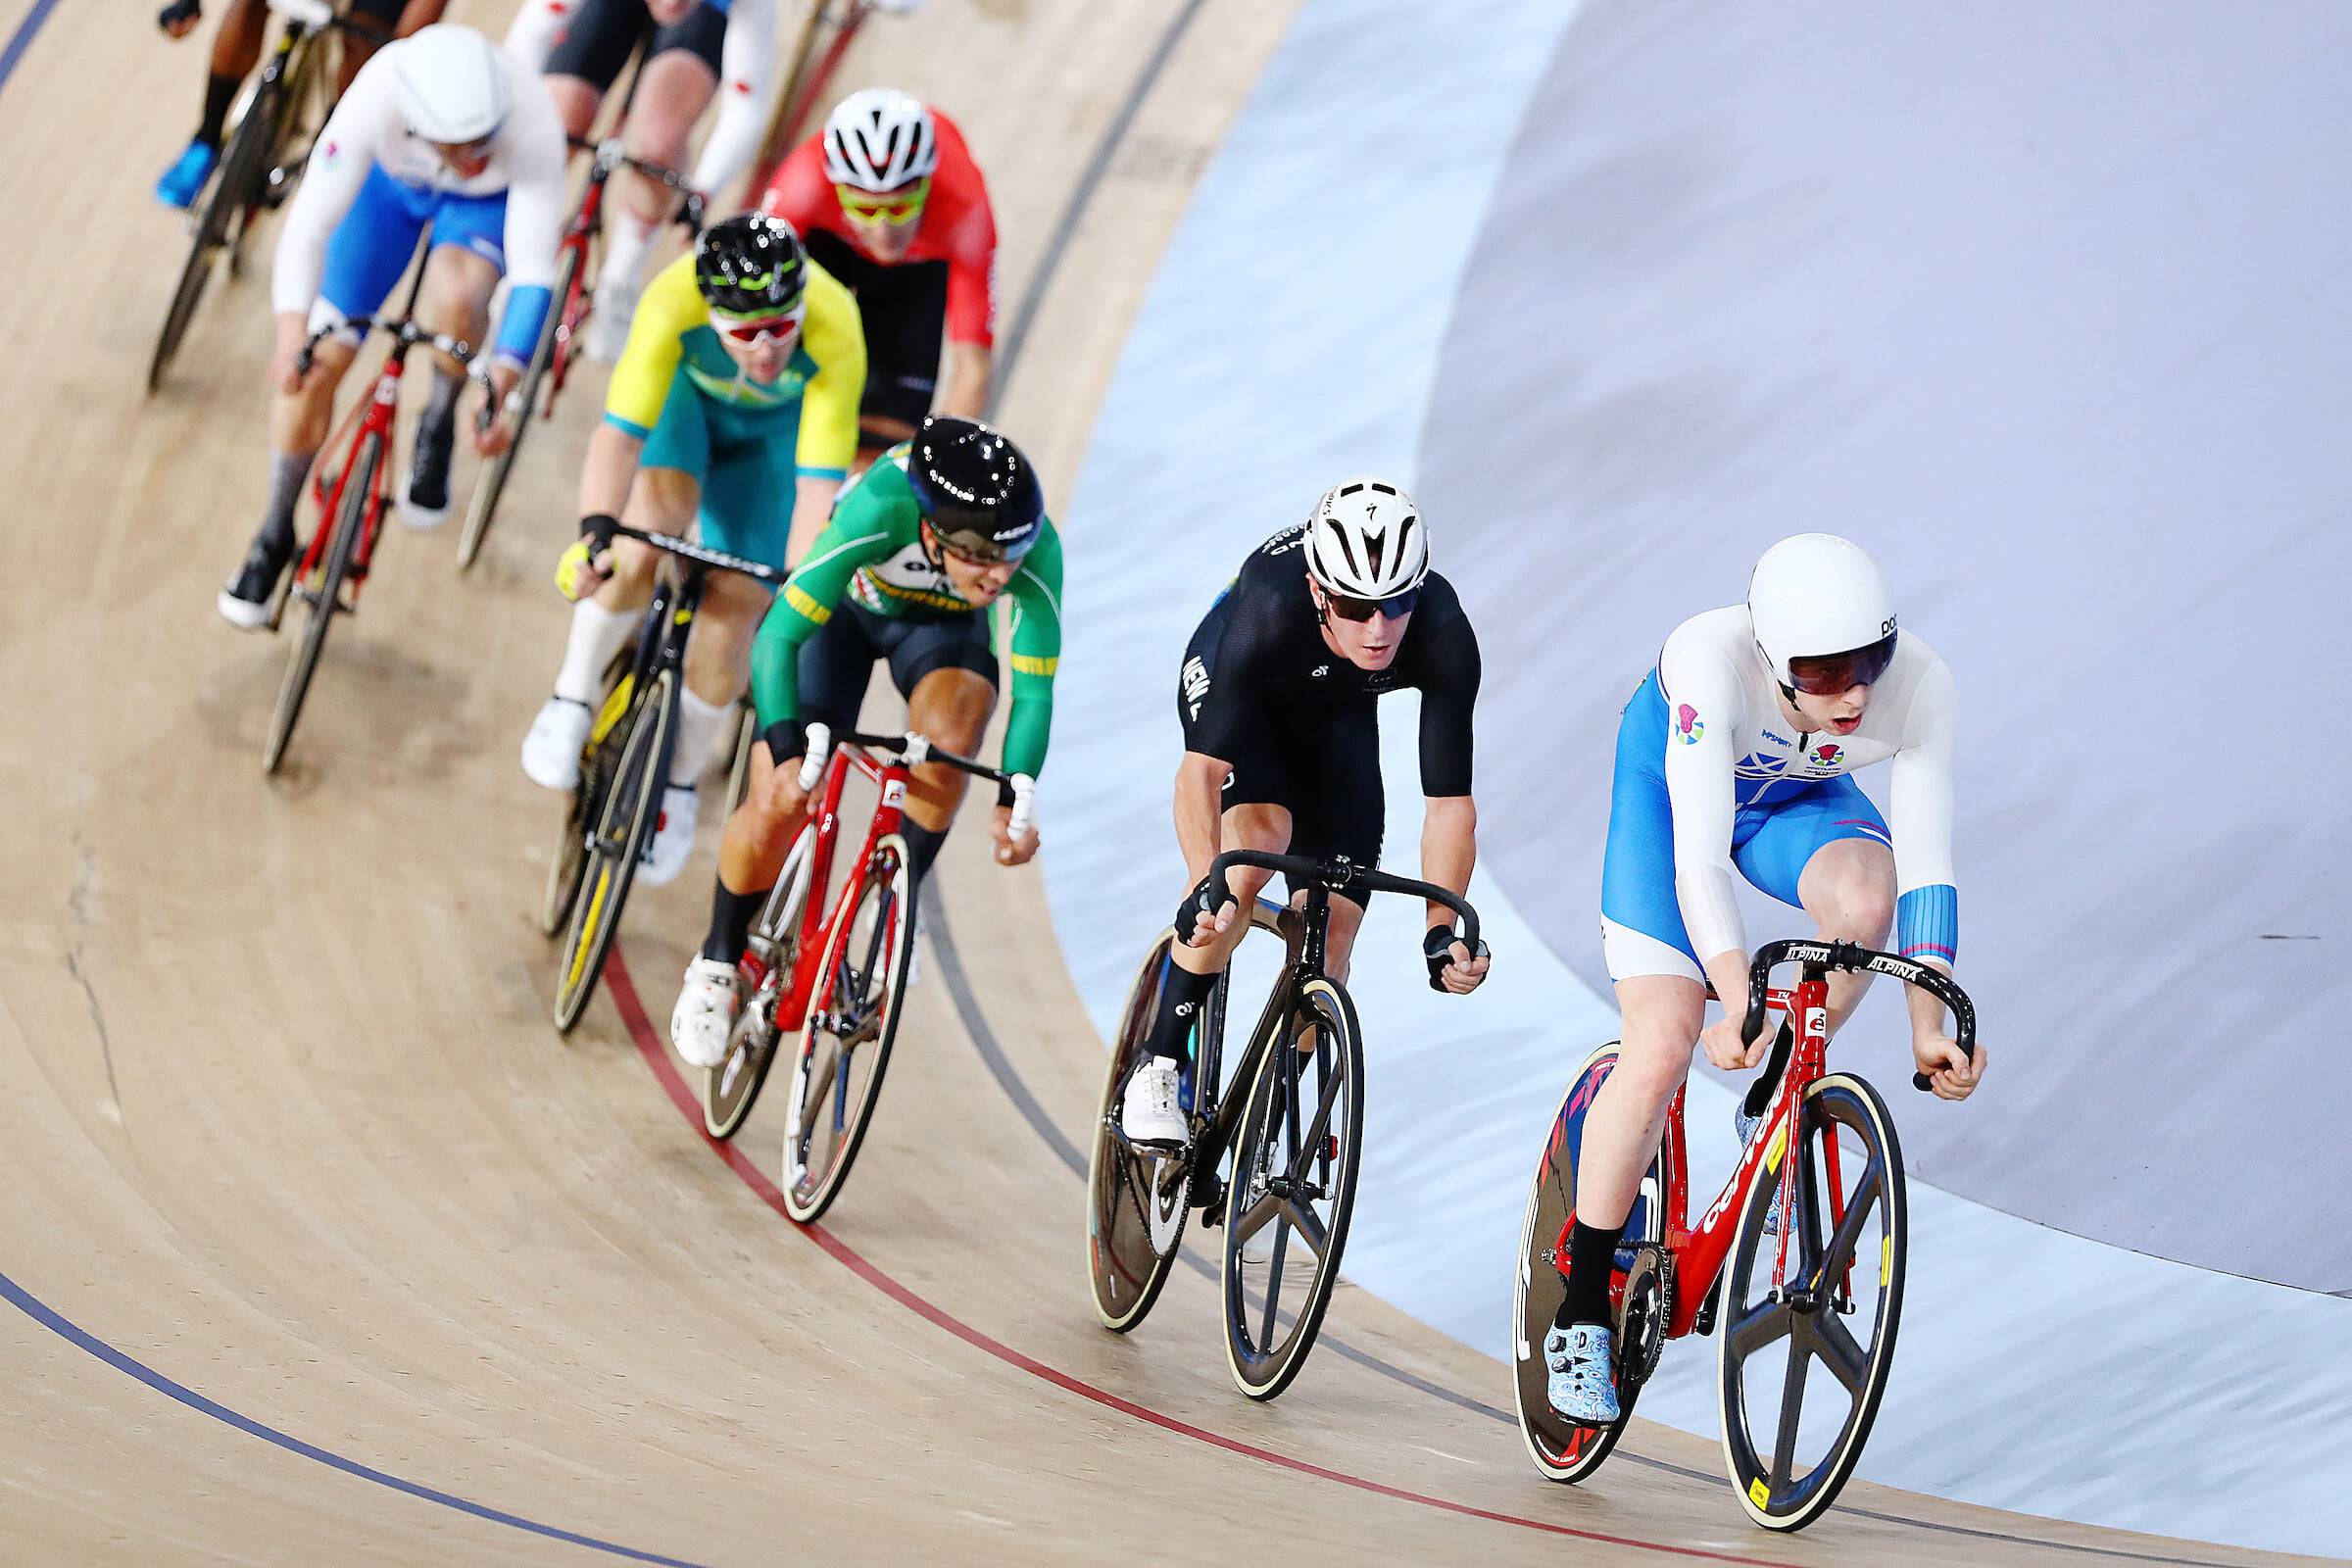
(956, 226)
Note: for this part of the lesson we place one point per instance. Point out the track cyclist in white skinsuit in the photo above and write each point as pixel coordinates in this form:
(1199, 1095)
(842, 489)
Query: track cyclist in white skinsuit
(438, 128)
(697, 47)
(1739, 750)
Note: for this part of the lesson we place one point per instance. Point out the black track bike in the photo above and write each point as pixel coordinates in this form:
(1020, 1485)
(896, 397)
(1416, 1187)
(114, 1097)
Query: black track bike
(1291, 1117)
(260, 163)
(625, 765)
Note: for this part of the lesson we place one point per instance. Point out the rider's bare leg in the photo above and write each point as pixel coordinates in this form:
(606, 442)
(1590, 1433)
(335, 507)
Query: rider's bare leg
(1848, 888)
(676, 89)
(951, 707)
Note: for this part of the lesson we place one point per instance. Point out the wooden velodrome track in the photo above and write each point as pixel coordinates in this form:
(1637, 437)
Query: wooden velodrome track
(322, 1247)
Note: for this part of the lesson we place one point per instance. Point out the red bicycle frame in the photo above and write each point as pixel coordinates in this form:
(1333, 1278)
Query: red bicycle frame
(373, 414)
(1699, 1255)
(891, 777)
(572, 308)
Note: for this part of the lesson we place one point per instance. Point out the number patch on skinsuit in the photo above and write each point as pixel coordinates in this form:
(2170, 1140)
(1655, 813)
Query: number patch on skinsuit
(893, 792)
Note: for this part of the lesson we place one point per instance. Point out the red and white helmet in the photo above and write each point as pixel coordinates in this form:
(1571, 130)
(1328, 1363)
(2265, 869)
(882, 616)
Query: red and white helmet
(1366, 540)
(878, 140)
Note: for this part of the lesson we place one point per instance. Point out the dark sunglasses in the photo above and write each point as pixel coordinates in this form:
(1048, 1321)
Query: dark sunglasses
(1395, 606)
(1829, 674)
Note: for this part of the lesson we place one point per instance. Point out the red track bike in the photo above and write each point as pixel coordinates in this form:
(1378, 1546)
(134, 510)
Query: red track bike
(573, 298)
(832, 979)
(352, 503)
(1799, 1259)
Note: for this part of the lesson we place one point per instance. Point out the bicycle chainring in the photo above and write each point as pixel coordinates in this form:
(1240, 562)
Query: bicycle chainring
(1643, 1313)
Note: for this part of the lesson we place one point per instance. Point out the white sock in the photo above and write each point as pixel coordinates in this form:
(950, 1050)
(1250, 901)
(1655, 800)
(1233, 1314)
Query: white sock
(626, 242)
(597, 634)
(534, 31)
(700, 725)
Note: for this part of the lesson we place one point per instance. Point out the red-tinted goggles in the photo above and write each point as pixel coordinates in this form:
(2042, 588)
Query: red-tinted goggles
(769, 329)
(1829, 674)
(1395, 606)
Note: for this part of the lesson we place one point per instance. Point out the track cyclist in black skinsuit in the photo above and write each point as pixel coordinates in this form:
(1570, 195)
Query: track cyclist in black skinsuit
(1278, 698)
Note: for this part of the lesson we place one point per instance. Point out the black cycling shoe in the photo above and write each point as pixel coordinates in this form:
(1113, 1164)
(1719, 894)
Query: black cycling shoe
(426, 505)
(245, 602)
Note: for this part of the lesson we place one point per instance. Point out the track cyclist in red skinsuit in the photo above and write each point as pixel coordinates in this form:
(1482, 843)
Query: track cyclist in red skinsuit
(888, 200)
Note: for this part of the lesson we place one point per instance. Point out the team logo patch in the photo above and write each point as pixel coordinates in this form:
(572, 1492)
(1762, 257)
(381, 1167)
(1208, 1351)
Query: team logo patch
(1828, 754)
(1688, 726)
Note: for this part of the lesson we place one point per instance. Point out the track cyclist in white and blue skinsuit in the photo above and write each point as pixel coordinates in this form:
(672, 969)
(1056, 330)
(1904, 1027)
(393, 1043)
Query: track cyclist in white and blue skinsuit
(1739, 752)
(440, 129)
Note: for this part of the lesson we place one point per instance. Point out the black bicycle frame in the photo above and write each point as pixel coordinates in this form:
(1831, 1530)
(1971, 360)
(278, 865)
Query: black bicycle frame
(1304, 933)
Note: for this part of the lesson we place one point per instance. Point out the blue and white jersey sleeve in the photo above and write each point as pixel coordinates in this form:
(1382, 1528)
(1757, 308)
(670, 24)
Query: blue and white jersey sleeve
(533, 153)
(1705, 703)
(366, 122)
(1919, 812)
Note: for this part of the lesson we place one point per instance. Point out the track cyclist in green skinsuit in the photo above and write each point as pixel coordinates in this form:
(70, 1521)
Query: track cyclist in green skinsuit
(917, 550)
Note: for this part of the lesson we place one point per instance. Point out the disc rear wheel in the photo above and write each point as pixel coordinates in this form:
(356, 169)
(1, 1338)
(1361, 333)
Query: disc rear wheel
(1136, 1201)
(1564, 1451)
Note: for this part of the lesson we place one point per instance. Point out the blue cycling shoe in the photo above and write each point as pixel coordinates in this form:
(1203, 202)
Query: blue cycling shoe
(184, 180)
(1583, 1388)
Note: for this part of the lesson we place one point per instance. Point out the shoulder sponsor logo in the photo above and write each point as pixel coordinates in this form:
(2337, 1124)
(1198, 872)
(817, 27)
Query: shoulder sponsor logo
(1778, 739)
(1195, 687)
(1687, 725)
(1319, 672)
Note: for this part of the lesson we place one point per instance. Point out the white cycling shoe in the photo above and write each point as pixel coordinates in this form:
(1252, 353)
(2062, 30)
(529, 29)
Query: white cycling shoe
(608, 332)
(1147, 1112)
(550, 751)
(672, 844)
(706, 1012)
(1581, 1383)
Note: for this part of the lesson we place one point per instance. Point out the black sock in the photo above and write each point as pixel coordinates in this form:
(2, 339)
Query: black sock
(1180, 998)
(922, 846)
(1591, 1251)
(441, 403)
(731, 918)
(287, 470)
(219, 93)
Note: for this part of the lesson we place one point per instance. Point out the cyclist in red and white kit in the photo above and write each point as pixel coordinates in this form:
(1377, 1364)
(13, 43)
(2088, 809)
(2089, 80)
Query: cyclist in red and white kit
(888, 200)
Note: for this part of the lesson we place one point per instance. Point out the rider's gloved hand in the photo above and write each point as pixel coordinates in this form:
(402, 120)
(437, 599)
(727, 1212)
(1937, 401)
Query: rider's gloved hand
(179, 18)
(1453, 966)
(1203, 914)
(588, 561)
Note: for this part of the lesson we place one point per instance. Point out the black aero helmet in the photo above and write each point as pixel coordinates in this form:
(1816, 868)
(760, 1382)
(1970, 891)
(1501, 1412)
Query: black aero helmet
(977, 491)
(750, 265)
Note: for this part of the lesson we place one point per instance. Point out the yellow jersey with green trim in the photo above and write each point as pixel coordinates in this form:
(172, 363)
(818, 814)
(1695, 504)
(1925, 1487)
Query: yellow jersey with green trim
(673, 345)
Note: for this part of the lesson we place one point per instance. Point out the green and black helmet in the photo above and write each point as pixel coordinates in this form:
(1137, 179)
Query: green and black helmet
(750, 265)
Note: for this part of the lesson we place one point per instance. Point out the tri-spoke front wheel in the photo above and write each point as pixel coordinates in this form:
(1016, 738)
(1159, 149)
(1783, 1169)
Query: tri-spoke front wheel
(1809, 1313)
(1293, 1190)
(490, 485)
(845, 1040)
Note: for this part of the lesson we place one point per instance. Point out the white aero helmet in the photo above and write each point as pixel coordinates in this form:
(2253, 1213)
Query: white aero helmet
(878, 140)
(449, 82)
(1366, 540)
(1822, 617)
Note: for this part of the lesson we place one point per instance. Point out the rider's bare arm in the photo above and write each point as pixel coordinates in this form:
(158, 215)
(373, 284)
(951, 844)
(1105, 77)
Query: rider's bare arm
(969, 366)
(605, 478)
(1200, 786)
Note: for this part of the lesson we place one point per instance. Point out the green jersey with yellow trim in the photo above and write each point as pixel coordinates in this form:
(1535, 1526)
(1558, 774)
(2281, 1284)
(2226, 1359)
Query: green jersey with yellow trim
(871, 554)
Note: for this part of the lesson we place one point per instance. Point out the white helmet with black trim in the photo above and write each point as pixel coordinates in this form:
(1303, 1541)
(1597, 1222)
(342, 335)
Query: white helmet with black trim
(449, 83)
(878, 140)
(1823, 614)
(1366, 540)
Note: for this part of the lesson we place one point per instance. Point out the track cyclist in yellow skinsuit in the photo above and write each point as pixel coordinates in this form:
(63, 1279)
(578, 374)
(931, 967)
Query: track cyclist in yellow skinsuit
(739, 387)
